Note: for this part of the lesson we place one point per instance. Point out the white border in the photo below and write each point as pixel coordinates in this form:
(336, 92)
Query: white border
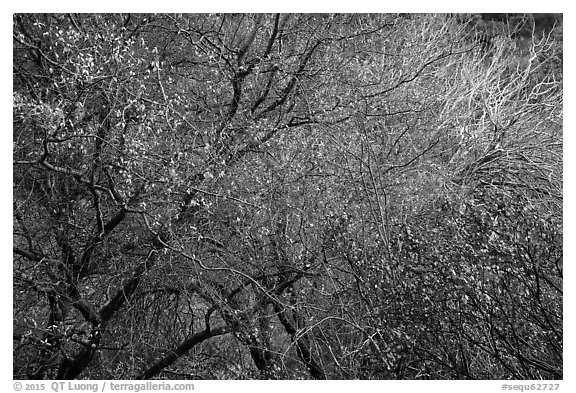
(295, 6)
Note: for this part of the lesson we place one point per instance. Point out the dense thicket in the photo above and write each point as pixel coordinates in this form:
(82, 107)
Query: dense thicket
(287, 196)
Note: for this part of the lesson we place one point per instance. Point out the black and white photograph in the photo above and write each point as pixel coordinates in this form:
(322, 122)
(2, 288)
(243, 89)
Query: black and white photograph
(287, 196)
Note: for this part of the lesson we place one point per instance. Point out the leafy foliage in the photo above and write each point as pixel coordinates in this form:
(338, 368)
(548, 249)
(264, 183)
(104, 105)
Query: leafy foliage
(287, 196)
